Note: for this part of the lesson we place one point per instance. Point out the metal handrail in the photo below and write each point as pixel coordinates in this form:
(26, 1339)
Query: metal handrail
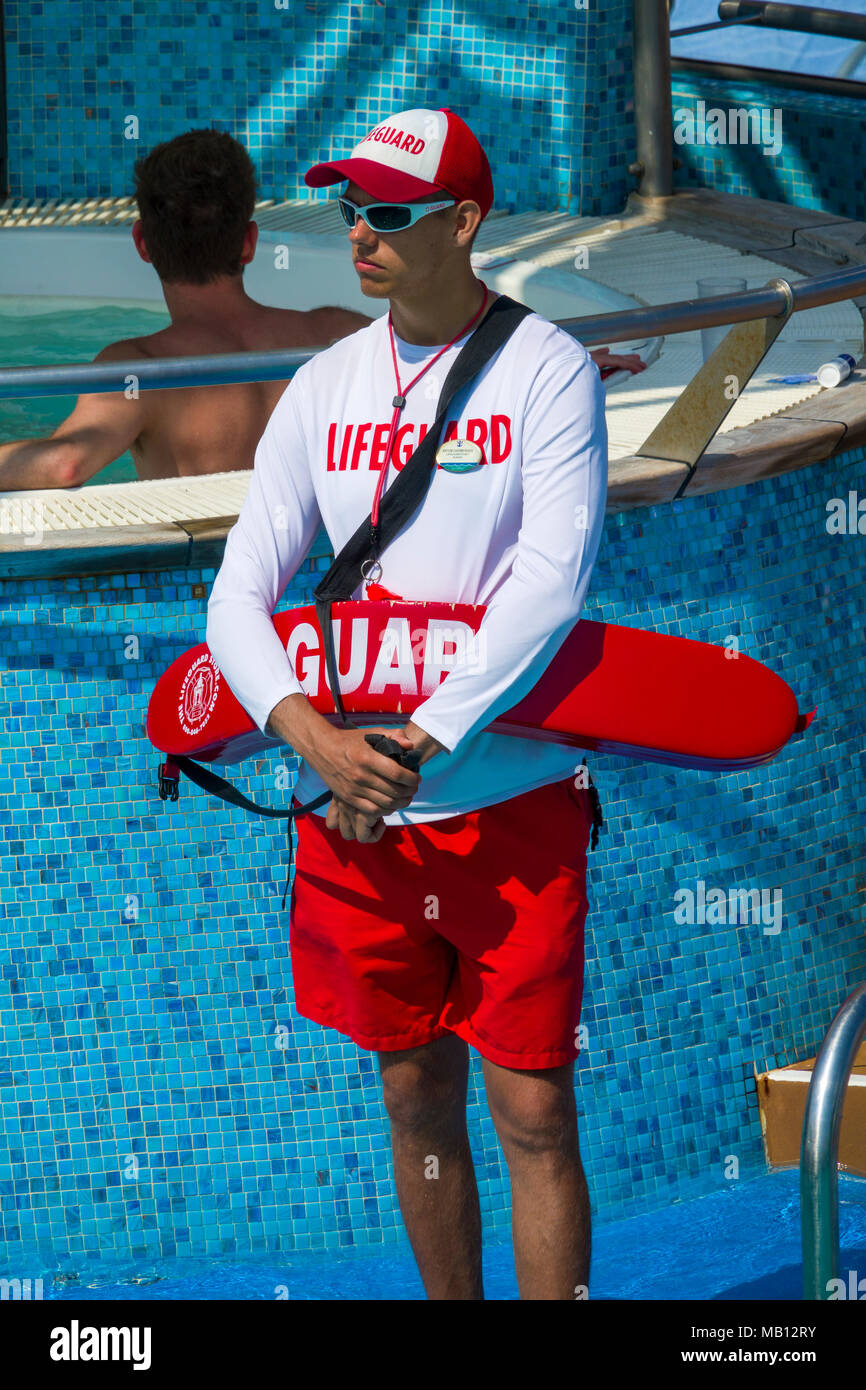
(799, 19)
(230, 368)
(819, 1182)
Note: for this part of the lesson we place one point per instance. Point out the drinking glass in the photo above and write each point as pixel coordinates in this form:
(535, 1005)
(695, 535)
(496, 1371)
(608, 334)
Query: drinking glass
(708, 289)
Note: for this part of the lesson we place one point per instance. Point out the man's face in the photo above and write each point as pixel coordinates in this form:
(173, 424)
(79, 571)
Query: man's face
(389, 264)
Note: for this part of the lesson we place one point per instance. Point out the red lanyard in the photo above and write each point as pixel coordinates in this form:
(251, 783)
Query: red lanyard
(399, 400)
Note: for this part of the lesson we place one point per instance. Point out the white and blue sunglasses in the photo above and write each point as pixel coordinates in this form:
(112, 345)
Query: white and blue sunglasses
(388, 217)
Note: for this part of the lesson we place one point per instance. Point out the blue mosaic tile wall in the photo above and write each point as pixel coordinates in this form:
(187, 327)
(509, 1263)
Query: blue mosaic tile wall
(545, 86)
(819, 163)
(160, 1096)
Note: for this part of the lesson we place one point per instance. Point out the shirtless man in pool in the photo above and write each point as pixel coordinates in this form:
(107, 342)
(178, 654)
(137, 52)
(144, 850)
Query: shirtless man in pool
(196, 195)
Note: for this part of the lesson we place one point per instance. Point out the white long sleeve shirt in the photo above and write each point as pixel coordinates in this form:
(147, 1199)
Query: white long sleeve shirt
(519, 534)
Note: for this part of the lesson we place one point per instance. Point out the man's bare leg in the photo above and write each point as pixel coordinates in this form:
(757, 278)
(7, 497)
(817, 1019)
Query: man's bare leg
(535, 1116)
(425, 1095)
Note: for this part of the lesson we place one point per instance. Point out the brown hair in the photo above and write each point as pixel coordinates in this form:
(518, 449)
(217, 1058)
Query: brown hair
(196, 195)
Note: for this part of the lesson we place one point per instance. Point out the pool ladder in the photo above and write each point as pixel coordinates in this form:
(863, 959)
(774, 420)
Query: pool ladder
(819, 1183)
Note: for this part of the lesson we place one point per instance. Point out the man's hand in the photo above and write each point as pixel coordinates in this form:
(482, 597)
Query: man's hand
(357, 774)
(369, 827)
(354, 825)
(624, 361)
(365, 784)
(344, 814)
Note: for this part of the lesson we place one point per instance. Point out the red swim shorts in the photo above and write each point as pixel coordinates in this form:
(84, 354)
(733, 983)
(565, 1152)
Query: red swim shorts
(471, 925)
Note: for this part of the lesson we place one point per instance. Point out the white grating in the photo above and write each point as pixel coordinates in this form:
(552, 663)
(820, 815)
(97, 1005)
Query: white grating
(127, 504)
(73, 212)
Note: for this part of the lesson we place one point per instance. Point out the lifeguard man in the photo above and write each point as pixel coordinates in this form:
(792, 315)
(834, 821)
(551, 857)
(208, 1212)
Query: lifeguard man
(442, 911)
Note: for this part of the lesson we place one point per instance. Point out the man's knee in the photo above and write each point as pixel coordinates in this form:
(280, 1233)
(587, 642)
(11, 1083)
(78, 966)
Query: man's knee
(533, 1112)
(424, 1085)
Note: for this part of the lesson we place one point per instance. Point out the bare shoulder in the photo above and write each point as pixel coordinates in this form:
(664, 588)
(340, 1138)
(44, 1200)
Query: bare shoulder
(331, 323)
(124, 350)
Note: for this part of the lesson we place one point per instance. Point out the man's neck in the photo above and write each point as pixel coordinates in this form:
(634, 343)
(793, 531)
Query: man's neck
(213, 301)
(432, 319)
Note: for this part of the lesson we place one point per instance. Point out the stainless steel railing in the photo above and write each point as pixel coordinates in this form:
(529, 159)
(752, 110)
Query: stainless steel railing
(800, 19)
(223, 369)
(819, 1183)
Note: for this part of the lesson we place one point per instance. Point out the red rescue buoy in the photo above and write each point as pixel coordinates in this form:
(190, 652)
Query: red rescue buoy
(612, 689)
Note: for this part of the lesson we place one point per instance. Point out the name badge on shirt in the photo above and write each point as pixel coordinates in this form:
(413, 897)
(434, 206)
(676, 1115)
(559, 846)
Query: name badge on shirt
(459, 456)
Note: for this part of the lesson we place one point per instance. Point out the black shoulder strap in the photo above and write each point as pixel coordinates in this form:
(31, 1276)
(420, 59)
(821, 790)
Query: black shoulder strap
(401, 500)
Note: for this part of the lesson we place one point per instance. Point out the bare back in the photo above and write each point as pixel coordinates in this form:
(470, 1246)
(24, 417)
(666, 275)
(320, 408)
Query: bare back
(215, 429)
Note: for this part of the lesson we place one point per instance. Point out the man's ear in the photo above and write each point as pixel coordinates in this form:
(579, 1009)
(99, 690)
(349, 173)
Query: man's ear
(138, 238)
(466, 216)
(251, 237)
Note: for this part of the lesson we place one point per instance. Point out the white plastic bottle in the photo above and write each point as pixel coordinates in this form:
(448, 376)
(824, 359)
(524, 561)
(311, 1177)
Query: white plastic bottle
(832, 373)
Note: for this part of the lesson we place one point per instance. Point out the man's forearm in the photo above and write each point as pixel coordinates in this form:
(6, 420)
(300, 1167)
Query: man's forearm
(296, 722)
(34, 463)
(428, 745)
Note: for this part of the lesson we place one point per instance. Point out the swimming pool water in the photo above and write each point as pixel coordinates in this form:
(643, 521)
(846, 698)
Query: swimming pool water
(37, 331)
(742, 1242)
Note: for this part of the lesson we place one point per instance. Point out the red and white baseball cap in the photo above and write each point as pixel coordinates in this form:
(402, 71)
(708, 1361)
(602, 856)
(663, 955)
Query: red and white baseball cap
(412, 155)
